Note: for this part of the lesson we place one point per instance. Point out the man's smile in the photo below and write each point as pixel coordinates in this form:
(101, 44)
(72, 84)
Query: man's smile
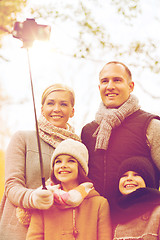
(111, 94)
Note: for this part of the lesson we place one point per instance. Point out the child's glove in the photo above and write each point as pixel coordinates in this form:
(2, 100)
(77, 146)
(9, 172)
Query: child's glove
(41, 199)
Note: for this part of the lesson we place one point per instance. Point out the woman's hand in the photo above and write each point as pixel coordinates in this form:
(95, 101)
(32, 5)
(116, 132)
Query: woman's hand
(41, 199)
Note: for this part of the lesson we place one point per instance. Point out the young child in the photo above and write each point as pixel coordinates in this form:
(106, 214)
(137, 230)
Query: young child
(138, 200)
(22, 166)
(78, 212)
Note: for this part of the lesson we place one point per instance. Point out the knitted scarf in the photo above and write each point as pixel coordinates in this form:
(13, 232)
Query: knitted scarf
(54, 135)
(72, 198)
(109, 118)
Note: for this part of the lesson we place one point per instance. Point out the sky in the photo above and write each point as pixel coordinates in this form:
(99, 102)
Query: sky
(52, 62)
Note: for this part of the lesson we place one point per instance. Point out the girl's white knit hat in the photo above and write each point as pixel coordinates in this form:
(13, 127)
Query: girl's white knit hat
(75, 149)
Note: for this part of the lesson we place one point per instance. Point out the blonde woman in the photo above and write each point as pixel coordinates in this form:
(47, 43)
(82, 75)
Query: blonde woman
(22, 167)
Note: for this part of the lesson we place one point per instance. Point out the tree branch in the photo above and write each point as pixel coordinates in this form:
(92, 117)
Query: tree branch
(5, 30)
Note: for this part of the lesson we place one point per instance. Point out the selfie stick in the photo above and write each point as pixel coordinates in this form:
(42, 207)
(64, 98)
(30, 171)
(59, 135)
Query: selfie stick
(37, 130)
(27, 32)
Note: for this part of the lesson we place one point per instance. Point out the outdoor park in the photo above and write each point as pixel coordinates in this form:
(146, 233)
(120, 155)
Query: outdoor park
(84, 36)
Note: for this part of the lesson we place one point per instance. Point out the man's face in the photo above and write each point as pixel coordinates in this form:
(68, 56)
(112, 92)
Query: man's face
(115, 86)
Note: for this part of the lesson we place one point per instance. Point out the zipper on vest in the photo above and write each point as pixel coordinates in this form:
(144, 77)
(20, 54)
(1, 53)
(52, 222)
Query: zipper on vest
(105, 175)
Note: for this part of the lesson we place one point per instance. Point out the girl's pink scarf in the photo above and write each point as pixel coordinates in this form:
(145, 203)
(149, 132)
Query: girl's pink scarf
(72, 198)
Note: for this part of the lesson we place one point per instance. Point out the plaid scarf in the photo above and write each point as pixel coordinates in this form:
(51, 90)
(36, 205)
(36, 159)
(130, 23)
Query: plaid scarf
(109, 118)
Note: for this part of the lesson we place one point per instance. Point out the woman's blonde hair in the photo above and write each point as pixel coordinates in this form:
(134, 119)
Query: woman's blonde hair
(58, 87)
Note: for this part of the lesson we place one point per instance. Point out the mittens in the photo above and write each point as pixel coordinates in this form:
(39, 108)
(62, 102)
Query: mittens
(41, 199)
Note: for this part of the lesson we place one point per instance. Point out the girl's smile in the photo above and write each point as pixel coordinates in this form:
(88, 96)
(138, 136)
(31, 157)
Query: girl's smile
(66, 171)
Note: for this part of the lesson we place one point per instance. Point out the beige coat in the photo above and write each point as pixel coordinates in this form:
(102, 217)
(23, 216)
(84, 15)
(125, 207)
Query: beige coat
(22, 172)
(92, 220)
(146, 227)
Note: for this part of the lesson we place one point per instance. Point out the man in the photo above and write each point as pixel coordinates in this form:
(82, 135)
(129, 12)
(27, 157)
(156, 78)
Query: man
(120, 130)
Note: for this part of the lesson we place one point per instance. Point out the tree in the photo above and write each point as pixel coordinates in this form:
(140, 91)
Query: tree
(9, 10)
(98, 30)
(93, 36)
(91, 32)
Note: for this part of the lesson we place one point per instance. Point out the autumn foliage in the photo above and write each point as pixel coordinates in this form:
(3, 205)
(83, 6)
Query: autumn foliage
(8, 14)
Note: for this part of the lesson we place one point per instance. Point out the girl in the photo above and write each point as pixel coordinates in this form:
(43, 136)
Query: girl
(78, 212)
(22, 167)
(138, 200)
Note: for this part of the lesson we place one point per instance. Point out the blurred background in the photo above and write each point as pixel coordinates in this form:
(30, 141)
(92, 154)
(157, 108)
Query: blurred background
(84, 36)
